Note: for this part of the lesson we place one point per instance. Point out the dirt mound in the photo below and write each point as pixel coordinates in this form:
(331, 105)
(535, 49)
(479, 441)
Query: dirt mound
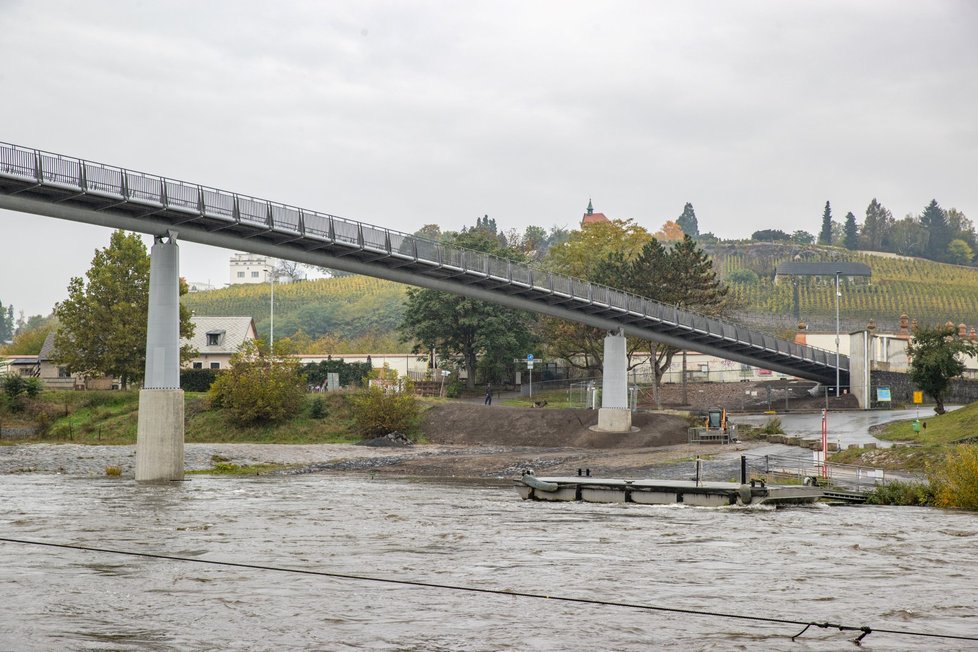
(473, 424)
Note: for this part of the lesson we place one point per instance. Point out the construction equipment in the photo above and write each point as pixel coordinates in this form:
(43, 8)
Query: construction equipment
(715, 429)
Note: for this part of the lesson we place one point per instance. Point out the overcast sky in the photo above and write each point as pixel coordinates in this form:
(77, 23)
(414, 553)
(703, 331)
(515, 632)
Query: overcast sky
(402, 114)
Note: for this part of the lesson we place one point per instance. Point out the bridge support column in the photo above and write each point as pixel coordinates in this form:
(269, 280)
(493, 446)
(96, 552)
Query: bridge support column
(159, 433)
(614, 415)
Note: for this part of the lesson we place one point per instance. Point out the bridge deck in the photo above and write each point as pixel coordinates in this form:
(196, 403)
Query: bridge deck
(68, 188)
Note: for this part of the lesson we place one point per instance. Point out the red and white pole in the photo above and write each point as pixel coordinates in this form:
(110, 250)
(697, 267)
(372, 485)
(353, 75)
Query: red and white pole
(825, 444)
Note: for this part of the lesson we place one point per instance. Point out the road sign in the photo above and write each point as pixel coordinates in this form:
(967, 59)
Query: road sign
(918, 397)
(529, 357)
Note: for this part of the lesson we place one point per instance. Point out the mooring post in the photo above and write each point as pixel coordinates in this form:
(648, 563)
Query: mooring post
(743, 469)
(699, 469)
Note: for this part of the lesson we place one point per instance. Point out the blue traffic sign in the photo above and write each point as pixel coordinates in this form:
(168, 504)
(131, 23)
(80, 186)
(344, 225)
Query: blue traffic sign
(529, 356)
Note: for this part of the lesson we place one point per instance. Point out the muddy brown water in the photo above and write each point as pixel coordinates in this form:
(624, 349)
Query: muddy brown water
(896, 568)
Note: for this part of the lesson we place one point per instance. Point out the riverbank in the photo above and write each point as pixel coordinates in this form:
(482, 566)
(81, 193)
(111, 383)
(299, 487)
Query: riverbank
(485, 462)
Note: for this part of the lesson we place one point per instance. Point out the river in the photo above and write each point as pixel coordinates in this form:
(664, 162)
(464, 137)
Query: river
(893, 568)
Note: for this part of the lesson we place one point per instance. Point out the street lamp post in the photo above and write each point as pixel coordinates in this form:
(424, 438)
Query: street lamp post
(271, 312)
(837, 295)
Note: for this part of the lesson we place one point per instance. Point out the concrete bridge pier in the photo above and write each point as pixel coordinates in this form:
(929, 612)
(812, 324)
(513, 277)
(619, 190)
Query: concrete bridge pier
(614, 415)
(159, 434)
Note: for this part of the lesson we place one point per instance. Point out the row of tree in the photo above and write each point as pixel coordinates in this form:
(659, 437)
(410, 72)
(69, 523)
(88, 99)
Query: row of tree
(946, 236)
(489, 339)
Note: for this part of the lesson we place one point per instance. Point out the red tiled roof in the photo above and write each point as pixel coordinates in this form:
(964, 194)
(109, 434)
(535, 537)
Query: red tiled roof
(591, 218)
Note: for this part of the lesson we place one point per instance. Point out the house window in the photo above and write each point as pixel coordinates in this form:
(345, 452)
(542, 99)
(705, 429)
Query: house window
(254, 275)
(212, 339)
(198, 365)
(215, 365)
(63, 372)
(240, 274)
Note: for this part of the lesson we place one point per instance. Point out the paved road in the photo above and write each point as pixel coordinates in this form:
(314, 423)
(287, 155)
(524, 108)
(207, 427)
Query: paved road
(844, 427)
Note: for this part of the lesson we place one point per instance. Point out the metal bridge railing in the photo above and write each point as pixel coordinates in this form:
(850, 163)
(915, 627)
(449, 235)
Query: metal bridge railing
(163, 194)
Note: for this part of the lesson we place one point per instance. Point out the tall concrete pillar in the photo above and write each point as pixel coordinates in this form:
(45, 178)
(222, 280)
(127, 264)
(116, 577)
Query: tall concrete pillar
(159, 434)
(614, 415)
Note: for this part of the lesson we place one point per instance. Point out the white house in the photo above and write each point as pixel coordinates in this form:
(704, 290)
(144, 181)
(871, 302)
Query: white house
(216, 339)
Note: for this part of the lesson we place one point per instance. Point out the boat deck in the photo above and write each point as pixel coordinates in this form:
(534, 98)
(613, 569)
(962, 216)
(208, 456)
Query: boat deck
(663, 492)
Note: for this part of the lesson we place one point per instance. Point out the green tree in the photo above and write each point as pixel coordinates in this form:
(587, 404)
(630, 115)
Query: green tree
(935, 359)
(6, 323)
(876, 226)
(486, 337)
(959, 252)
(682, 276)
(802, 237)
(770, 235)
(581, 256)
(102, 323)
(687, 221)
(825, 235)
(961, 228)
(906, 237)
(259, 388)
(851, 239)
(935, 225)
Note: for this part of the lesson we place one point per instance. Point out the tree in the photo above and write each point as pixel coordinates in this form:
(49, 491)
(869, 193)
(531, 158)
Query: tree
(670, 232)
(825, 235)
(102, 323)
(581, 256)
(770, 235)
(259, 388)
(959, 252)
(682, 276)
(906, 237)
(935, 358)
(935, 225)
(6, 323)
(486, 337)
(961, 228)
(851, 238)
(876, 226)
(687, 221)
(29, 341)
(802, 237)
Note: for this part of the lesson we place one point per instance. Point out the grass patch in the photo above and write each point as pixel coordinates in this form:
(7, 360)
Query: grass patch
(111, 417)
(228, 468)
(957, 426)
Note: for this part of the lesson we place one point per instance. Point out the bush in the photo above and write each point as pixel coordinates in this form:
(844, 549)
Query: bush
(17, 389)
(955, 481)
(258, 389)
(744, 277)
(376, 413)
(773, 427)
(901, 493)
(317, 410)
(454, 387)
(198, 380)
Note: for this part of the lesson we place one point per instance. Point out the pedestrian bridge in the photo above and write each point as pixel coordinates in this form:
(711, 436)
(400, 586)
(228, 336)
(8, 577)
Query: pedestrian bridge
(63, 187)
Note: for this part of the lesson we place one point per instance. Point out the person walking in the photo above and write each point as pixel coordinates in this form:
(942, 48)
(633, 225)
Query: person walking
(489, 394)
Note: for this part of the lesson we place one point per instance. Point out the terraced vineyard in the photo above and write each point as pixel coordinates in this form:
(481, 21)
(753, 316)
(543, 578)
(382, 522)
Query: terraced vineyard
(363, 311)
(927, 291)
(346, 308)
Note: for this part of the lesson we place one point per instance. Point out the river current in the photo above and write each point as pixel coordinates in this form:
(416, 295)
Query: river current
(884, 567)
